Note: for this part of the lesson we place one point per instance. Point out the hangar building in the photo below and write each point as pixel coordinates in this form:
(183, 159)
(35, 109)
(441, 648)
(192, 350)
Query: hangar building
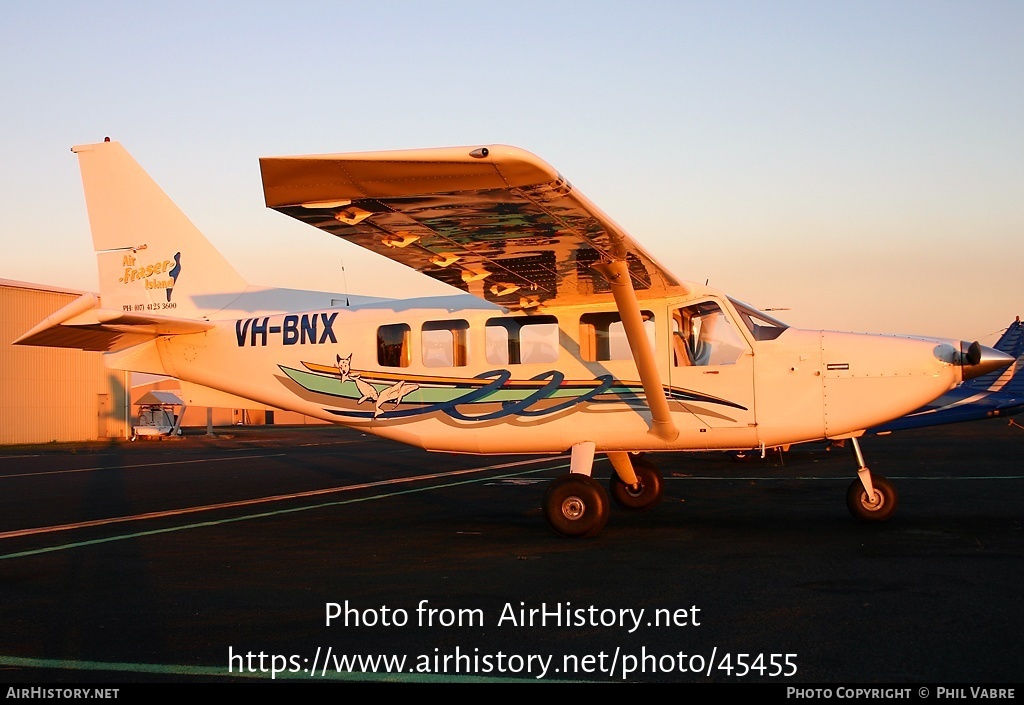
(54, 394)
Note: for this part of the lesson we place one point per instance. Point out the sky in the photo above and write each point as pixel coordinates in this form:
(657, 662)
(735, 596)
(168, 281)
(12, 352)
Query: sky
(858, 164)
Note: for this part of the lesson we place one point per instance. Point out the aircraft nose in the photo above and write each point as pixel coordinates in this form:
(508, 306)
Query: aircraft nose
(977, 359)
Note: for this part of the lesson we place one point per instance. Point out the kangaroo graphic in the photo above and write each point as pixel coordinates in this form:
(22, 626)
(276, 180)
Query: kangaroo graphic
(367, 390)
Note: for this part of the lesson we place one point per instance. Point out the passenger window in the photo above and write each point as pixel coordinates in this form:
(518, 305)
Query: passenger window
(393, 345)
(603, 337)
(443, 343)
(522, 340)
(497, 349)
(538, 342)
(703, 335)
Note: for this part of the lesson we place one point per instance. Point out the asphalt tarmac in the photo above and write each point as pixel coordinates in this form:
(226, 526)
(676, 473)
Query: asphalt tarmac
(322, 554)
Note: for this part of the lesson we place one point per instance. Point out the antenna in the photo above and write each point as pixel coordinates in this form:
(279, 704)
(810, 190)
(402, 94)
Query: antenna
(344, 282)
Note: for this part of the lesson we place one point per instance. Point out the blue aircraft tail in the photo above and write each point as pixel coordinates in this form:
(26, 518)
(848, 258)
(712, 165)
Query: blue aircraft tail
(999, 393)
(1009, 380)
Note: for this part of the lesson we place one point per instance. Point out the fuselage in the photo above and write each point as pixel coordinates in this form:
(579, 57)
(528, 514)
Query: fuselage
(482, 380)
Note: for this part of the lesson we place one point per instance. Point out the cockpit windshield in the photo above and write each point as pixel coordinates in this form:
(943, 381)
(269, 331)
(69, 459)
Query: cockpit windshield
(761, 325)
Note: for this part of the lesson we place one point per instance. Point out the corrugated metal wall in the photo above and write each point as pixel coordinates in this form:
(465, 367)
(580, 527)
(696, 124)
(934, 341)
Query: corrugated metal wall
(52, 394)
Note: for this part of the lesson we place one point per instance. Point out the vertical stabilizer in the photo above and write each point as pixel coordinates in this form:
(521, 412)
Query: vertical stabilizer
(151, 258)
(1011, 379)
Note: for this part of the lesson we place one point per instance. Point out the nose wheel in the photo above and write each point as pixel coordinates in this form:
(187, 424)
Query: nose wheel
(878, 506)
(576, 506)
(870, 497)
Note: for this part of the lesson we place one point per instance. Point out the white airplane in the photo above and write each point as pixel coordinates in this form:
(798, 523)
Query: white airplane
(574, 338)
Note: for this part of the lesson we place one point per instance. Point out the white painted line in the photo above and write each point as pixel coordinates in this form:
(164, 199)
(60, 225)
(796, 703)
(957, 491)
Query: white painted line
(143, 465)
(842, 478)
(261, 500)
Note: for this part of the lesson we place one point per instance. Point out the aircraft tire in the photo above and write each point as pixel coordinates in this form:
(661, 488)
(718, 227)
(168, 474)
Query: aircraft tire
(857, 500)
(576, 506)
(647, 496)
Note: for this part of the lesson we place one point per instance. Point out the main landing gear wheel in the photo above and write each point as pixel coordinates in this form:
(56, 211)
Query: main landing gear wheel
(576, 505)
(646, 495)
(881, 509)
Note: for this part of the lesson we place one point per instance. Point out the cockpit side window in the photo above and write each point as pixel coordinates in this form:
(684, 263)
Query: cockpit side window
(702, 335)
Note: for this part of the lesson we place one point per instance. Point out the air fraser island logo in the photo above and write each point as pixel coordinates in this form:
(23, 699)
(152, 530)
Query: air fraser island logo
(159, 275)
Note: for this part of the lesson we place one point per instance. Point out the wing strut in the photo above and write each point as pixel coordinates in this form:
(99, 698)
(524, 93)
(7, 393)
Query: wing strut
(617, 274)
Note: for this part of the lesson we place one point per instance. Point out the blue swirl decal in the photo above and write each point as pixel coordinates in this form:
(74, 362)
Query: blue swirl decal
(388, 388)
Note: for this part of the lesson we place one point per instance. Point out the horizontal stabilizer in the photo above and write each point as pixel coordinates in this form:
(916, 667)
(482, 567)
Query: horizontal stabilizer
(84, 326)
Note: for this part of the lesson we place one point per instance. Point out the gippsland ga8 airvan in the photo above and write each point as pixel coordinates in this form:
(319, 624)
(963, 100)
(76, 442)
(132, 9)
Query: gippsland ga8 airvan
(568, 336)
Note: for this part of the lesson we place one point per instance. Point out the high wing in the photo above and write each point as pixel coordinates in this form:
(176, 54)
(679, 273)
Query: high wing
(495, 221)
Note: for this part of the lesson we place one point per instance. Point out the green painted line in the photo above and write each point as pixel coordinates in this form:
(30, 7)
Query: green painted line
(424, 395)
(261, 515)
